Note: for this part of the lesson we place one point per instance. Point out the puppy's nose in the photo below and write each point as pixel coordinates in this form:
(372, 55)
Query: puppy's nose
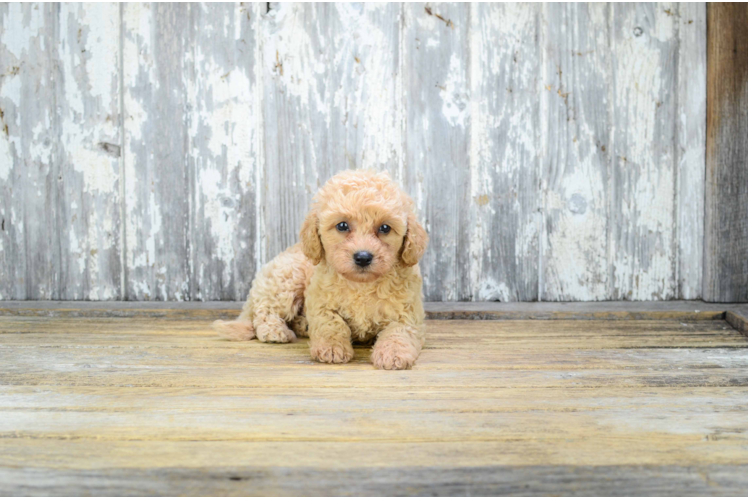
(362, 258)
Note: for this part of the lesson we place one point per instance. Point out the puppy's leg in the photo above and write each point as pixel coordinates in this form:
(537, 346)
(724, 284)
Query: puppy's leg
(276, 298)
(330, 338)
(397, 347)
(239, 329)
(300, 326)
(271, 327)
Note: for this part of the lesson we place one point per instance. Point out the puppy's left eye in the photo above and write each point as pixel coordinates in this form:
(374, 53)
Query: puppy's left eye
(384, 229)
(342, 227)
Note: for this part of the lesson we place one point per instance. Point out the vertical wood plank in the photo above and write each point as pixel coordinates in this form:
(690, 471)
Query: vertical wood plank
(223, 152)
(576, 151)
(691, 147)
(726, 221)
(436, 99)
(30, 252)
(88, 104)
(504, 155)
(642, 238)
(330, 76)
(157, 180)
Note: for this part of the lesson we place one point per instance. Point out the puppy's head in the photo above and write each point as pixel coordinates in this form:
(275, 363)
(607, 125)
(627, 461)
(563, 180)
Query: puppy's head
(362, 224)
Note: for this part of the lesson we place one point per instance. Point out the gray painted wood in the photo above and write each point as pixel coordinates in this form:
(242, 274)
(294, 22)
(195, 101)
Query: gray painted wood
(60, 102)
(88, 103)
(30, 174)
(726, 222)
(505, 190)
(691, 147)
(331, 81)
(225, 132)
(165, 152)
(577, 172)
(642, 147)
(158, 183)
(436, 97)
(191, 150)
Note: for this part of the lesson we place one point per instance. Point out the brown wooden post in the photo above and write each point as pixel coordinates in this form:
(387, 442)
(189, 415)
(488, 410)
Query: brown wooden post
(726, 204)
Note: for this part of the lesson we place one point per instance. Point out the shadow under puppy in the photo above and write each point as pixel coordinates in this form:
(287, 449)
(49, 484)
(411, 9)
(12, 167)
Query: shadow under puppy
(354, 277)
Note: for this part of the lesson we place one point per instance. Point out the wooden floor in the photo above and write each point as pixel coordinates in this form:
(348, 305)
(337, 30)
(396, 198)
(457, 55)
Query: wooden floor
(144, 405)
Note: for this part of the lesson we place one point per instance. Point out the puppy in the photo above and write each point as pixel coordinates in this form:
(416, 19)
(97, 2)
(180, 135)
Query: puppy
(353, 277)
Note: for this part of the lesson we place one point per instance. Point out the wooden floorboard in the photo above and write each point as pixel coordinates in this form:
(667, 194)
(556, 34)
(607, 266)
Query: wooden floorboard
(95, 404)
(611, 310)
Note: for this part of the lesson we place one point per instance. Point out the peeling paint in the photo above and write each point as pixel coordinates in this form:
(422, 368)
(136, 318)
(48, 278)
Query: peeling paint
(554, 152)
(490, 291)
(6, 164)
(454, 97)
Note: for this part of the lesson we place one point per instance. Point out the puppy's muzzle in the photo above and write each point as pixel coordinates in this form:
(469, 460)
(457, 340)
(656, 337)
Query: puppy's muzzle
(362, 258)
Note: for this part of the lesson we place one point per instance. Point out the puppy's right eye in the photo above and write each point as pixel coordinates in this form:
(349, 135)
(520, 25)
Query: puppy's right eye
(342, 227)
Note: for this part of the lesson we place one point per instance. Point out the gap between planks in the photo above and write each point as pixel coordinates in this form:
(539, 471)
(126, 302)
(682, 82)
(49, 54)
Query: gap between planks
(735, 314)
(434, 310)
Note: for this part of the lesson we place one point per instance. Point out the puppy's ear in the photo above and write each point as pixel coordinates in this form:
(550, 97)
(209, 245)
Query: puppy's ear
(311, 243)
(414, 243)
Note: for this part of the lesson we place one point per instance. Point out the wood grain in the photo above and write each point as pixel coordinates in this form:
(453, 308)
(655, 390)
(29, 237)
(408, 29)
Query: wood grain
(144, 405)
(691, 147)
(30, 156)
(158, 183)
(726, 222)
(611, 311)
(224, 158)
(436, 97)
(88, 210)
(331, 76)
(738, 319)
(251, 480)
(555, 152)
(644, 53)
(504, 154)
(576, 168)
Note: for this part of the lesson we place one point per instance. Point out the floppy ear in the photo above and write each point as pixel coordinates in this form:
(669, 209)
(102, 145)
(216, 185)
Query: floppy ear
(311, 243)
(414, 243)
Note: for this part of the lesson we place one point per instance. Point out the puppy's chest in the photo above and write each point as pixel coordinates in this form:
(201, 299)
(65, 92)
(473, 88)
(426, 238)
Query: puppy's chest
(366, 315)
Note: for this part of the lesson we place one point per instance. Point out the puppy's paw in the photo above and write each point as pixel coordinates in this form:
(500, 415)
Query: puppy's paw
(274, 332)
(300, 326)
(235, 330)
(326, 352)
(391, 355)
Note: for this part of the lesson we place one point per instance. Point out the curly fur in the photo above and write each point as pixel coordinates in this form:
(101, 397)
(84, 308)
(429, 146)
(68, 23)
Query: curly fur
(315, 289)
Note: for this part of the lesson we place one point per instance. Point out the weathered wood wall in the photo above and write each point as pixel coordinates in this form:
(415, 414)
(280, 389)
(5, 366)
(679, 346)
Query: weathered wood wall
(726, 222)
(165, 152)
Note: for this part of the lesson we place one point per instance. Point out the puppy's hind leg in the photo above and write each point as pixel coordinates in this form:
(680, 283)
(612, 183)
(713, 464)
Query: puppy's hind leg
(272, 328)
(240, 329)
(277, 296)
(300, 326)
(265, 326)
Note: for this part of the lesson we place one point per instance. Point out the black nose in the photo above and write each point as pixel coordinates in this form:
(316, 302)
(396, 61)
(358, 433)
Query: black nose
(362, 259)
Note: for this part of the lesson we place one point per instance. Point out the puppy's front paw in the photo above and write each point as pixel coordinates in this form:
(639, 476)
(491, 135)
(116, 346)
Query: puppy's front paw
(393, 356)
(325, 352)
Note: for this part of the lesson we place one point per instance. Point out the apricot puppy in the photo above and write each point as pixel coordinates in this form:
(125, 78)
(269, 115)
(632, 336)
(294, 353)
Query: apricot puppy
(354, 277)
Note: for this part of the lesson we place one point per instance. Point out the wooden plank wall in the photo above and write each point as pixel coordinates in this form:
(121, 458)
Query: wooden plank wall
(726, 234)
(166, 151)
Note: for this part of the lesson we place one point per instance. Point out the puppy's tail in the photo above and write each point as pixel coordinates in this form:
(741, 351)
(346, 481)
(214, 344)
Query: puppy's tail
(241, 329)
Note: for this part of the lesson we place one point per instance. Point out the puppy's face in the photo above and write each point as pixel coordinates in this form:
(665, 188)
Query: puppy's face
(362, 245)
(363, 225)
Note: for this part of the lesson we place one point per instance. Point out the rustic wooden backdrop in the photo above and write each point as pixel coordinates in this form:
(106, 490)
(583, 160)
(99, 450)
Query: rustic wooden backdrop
(165, 152)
